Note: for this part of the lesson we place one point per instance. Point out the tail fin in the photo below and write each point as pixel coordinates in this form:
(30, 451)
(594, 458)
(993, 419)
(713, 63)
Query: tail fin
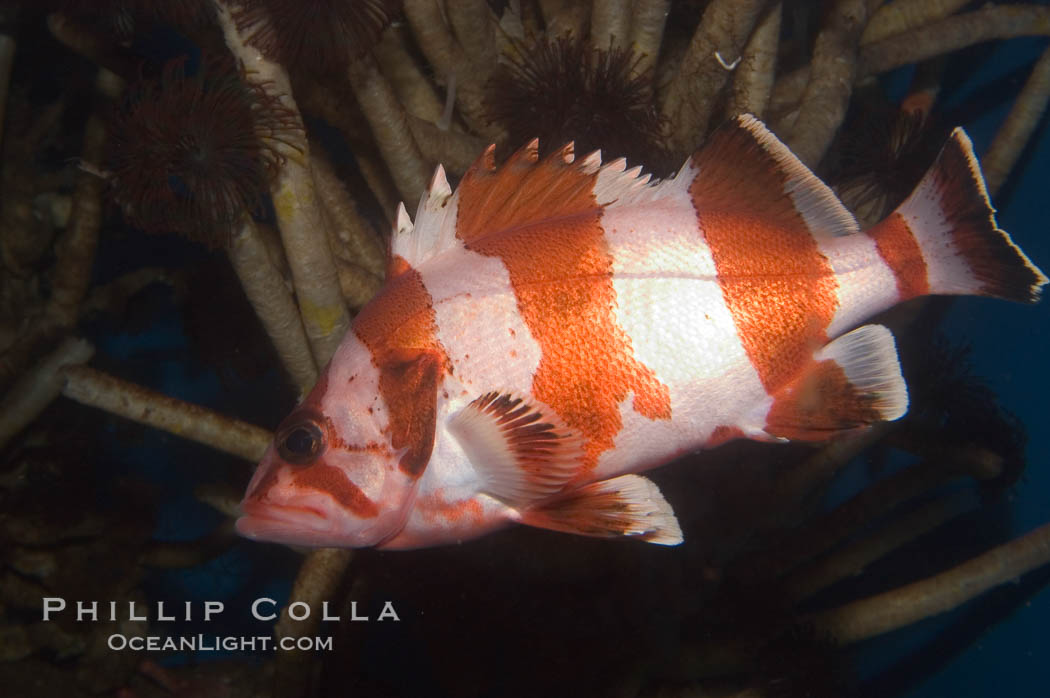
(943, 239)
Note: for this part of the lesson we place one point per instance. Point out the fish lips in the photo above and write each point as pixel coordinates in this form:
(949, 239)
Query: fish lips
(306, 526)
(300, 526)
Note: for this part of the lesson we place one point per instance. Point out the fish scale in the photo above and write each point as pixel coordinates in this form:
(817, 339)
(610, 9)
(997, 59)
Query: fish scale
(557, 326)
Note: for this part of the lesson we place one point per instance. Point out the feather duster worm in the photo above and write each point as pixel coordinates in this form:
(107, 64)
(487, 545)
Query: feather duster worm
(192, 153)
(884, 154)
(314, 34)
(564, 91)
(121, 19)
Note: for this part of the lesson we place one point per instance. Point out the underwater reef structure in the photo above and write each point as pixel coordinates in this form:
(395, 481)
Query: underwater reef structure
(277, 138)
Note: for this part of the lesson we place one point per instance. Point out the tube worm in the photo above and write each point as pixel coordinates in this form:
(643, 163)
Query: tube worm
(448, 57)
(453, 149)
(852, 561)
(76, 248)
(935, 39)
(90, 44)
(378, 179)
(359, 258)
(192, 153)
(566, 17)
(331, 36)
(38, 386)
(610, 24)
(97, 389)
(312, 35)
(753, 79)
(832, 72)
(119, 20)
(222, 151)
(318, 578)
(474, 25)
(1013, 135)
(548, 8)
(876, 500)
(266, 290)
(7, 59)
(74, 251)
(389, 125)
(940, 593)
(356, 283)
(298, 210)
(182, 554)
(222, 497)
(783, 101)
(712, 55)
(113, 297)
(647, 31)
(195, 155)
(348, 121)
(33, 210)
(952, 34)
(280, 27)
(431, 31)
(516, 22)
(357, 240)
(904, 15)
(817, 470)
(406, 77)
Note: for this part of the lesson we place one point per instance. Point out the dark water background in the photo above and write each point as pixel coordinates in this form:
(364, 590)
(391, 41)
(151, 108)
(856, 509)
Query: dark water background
(1010, 349)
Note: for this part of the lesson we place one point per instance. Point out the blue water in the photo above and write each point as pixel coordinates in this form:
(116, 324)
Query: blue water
(1011, 349)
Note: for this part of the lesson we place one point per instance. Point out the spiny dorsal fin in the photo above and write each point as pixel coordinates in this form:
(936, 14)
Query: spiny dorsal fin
(742, 167)
(523, 451)
(629, 505)
(434, 229)
(619, 186)
(524, 190)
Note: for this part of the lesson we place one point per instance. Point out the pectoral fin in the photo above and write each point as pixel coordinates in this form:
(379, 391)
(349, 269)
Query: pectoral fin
(629, 505)
(523, 451)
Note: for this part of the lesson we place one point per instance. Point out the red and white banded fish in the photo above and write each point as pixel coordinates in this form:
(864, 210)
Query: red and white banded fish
(556, 326)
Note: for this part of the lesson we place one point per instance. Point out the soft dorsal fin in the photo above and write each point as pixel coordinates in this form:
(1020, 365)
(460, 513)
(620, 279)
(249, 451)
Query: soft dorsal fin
(524, 190)
(434, 229)
(742, 167)
(524, 452)
(852, 383)
(630, 506)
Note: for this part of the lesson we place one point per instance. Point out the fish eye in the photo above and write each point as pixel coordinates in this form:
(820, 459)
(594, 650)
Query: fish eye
(300, 439)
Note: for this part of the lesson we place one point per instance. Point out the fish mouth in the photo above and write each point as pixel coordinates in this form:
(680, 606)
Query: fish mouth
(296, 525)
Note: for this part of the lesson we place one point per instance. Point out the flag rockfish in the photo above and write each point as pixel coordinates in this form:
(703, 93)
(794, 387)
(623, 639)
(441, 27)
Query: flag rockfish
(556, 326)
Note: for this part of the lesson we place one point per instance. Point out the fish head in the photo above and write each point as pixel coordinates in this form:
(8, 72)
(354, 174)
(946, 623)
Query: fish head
(333, 475)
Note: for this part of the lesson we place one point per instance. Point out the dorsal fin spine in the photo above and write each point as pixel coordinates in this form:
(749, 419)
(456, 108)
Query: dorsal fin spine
(433, 230)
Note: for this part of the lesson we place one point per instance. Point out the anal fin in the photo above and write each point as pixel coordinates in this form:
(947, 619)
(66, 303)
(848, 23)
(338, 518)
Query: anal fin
(852, 382)
(629, 506)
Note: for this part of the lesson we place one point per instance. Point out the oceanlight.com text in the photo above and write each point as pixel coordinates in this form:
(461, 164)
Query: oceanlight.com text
(216, 643)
